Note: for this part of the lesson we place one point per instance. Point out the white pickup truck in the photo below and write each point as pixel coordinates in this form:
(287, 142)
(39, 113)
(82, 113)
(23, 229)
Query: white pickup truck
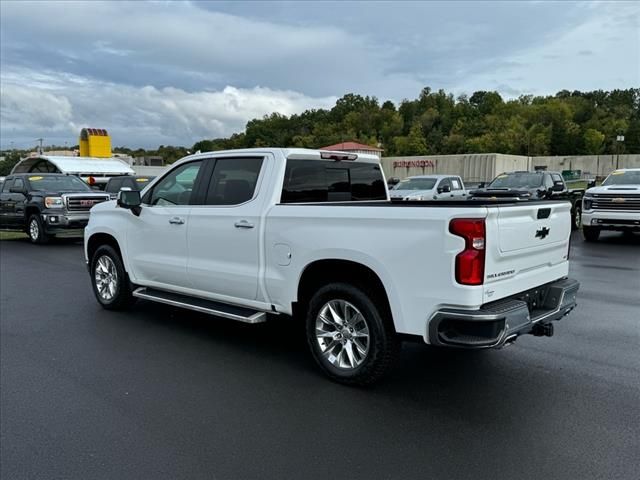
(249, 233)
(614, 205)
(429, 187)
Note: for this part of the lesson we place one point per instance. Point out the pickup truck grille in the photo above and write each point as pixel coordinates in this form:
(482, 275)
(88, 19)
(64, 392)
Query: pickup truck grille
(607, 201)
(83, 204)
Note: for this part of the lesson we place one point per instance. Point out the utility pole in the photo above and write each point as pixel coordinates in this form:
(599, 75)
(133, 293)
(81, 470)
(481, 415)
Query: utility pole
(40, 140)
(619, 140)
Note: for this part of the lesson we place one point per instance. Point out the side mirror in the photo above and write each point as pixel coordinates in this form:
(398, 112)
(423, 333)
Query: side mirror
(130, 200)
(591, 183)
(558, 187)
(444, 189)
(482, 184)
(16, 190)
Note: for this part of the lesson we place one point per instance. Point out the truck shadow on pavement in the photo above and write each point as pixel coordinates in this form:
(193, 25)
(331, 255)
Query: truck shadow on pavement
(459, 383)
(610, 238)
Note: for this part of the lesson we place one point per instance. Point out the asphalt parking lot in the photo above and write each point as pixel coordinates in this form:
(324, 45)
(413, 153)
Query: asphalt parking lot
(164, 393)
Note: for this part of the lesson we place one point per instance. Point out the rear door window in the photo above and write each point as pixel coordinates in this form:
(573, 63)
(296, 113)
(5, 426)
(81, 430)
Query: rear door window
(309, 181)
(233, 181)
(455, 184)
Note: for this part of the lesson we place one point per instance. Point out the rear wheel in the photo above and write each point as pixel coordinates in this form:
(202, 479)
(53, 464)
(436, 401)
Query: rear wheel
(110, 281)
(351, 337)
(591, 234)
(35, 230)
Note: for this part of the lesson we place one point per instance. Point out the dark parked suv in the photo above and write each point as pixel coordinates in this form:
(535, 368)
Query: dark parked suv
(46, 204)
(523, 185)
(133, 182)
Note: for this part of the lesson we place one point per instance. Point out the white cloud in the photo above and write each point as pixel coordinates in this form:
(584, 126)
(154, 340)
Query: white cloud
(146, 116)
(602, 52)
(22, 107)
(176, 72)
(158, 39)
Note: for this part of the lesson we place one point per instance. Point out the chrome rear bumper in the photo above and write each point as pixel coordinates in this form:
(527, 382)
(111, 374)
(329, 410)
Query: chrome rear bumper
(498, 323)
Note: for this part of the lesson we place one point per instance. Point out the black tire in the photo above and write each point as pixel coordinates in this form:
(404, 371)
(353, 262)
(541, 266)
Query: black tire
(383, 343)
(591, 234)
(35, 230)
(576, 218)
(120, 296)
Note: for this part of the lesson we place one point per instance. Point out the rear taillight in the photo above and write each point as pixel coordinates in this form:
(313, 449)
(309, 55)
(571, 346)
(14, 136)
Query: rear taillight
(470, 262)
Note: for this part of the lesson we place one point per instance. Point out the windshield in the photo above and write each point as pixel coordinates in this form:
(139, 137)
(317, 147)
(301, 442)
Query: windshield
(57, 183)
(517, 180)
(416, 184)
(623, 178)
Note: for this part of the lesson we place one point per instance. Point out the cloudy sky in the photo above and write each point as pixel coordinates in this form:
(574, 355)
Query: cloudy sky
(162, 72)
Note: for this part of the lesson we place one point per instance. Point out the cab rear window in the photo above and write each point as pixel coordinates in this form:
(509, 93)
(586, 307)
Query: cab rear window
(308, 181)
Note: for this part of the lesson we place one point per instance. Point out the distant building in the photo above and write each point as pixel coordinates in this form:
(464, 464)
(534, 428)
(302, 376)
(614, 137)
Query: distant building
(354, 147)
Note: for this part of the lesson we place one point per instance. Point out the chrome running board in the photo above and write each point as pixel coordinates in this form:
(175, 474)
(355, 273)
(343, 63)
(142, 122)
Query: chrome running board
(241, 314)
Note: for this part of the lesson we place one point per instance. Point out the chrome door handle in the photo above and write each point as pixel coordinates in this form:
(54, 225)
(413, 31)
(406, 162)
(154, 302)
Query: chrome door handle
(243, 224)
(176, 221)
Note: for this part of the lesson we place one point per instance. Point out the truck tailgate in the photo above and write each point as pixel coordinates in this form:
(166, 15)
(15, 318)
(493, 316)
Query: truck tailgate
(527, 246)
(525, 228)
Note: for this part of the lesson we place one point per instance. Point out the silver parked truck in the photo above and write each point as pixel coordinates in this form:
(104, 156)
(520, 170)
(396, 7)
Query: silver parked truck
(429, 187)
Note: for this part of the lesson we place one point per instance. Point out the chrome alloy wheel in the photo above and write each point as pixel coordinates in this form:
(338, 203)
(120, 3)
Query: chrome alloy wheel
(342, 334)
(106, 278)
(34, 229)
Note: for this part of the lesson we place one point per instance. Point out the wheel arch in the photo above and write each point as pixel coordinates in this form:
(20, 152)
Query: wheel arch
(98, 239)
(28, 211)
(321, 272)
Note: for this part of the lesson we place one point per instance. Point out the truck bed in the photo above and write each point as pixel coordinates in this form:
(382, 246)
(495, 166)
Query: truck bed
(474, 203)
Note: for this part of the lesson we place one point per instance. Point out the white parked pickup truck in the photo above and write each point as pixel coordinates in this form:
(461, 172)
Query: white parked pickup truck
(614, 205)
(247, 233)
(429, 187)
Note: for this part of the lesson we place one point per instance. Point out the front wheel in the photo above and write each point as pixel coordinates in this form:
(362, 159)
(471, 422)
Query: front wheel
(591, 234)
(35, 229)
(351, 337)
(109, 279)
(576, 218)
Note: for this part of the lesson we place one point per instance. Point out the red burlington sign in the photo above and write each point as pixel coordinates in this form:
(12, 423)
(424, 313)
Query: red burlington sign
(413, 163)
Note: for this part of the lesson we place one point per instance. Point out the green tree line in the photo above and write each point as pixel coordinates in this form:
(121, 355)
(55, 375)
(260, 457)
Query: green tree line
(568, 123)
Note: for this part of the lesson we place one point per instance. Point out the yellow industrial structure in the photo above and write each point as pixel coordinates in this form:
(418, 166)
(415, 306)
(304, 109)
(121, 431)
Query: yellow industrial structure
(95, 142)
